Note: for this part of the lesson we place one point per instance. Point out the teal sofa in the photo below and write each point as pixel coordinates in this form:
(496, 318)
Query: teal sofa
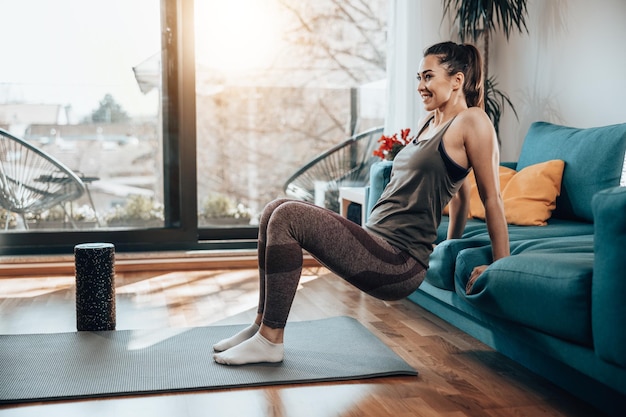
(557, 305)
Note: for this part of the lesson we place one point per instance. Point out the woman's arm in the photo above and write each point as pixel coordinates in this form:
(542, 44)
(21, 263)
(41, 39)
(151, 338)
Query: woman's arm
(459, 208)
(482, 151)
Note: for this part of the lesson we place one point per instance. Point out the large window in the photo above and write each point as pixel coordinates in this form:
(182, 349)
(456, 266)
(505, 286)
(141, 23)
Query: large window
(179, 136)
(280, 82)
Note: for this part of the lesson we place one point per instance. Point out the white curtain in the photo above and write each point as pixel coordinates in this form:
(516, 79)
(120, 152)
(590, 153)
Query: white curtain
(413, 25)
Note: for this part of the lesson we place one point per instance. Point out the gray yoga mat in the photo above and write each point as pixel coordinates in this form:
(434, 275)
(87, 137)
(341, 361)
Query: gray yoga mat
(38, 367)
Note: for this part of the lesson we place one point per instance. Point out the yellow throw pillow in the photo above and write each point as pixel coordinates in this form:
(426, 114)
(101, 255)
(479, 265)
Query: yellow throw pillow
(530, 196)
(476, 208)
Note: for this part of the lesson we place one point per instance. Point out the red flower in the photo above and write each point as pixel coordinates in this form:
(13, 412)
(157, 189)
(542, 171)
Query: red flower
(391, 145)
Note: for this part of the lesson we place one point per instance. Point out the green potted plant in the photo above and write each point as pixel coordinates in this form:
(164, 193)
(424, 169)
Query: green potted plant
(52, 218)
(8, 219)
(83, 217)
(478, 19)
(218, 209)
(138, 211)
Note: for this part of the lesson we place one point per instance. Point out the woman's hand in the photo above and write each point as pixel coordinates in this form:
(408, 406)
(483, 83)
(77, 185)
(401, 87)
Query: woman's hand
(473, 277)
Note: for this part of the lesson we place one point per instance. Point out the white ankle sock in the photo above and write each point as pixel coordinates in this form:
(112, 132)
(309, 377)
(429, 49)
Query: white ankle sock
(257, 349)
(232, 341)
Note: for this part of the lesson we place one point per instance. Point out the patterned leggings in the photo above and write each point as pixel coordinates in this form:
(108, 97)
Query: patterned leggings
(363, 259)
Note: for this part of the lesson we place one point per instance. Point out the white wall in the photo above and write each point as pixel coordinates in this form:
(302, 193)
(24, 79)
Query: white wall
(569, 69)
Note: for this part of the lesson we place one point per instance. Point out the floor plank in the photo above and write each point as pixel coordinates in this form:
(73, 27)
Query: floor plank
(458, 376)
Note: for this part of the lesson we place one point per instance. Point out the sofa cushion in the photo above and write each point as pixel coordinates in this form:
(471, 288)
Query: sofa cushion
(593, 158)
(476, 208)
(554, 228)
(545, 284)
(529, 196)
(472, 227)
(506, 170)
(442, 260)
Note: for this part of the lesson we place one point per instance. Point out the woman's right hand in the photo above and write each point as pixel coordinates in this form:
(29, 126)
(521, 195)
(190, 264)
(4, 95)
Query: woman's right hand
(476, 272)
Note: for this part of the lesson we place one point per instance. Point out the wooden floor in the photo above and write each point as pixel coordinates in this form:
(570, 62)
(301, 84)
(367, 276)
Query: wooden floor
(458, 376)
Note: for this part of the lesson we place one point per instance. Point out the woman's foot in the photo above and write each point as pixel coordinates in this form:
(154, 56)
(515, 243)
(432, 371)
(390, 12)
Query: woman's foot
(256, 349)
(233, 341)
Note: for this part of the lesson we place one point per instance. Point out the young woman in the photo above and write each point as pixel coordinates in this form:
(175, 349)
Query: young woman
(388, 257)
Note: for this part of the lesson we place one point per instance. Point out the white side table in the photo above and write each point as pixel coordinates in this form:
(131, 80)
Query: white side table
(356, 195)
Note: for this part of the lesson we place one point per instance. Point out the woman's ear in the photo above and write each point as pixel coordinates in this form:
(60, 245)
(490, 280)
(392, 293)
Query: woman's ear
(458, 80)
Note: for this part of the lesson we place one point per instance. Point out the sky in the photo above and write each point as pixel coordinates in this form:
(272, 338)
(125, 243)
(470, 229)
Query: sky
(248, 33)
(50, 56)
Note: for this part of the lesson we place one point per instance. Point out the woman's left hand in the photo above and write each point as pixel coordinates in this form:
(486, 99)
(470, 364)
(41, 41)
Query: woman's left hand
(473, 277)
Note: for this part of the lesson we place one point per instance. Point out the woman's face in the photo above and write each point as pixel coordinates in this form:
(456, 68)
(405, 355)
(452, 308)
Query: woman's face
(435, 85)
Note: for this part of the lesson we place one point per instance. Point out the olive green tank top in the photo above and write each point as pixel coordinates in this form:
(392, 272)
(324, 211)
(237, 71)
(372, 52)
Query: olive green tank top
(409, 210)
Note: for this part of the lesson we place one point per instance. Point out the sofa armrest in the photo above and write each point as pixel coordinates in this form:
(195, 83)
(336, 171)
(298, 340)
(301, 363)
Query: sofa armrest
(608, 309)
(380, 174)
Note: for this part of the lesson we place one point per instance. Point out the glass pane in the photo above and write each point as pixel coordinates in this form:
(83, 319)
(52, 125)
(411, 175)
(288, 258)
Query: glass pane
(279, 82)
(80, 81)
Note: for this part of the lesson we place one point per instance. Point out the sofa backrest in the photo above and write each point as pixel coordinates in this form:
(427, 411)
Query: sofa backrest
(593, 157)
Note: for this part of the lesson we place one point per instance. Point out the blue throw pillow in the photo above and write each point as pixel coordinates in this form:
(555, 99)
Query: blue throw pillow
(593, 157)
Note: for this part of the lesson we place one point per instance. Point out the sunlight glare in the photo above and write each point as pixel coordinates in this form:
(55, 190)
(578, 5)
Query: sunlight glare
(35, 287)
(145, 338)
(236, 35)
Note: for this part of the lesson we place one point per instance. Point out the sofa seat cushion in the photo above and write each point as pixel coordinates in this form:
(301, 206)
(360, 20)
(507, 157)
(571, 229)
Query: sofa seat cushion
(593, 157)
(554, 228)
(472, 228)
(545, 284)
(443, 259)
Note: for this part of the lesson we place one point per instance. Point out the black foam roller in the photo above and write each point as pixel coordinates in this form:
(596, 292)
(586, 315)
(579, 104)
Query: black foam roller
(95, 286)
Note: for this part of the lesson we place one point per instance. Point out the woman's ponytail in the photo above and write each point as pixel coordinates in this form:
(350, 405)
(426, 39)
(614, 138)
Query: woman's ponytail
(474, 85)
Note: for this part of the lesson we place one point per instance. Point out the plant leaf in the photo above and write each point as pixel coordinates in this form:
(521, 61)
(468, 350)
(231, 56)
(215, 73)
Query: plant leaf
(475, 16)
(495, 102)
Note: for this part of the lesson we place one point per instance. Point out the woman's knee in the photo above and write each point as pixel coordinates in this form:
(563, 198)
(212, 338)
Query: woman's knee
(284, 209)
(293, 217)
(270, 207)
